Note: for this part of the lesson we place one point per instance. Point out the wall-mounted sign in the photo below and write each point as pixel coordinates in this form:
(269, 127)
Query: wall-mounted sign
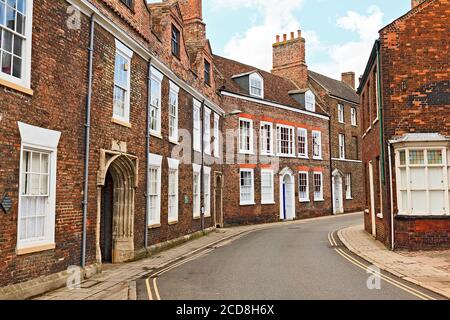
(186, 200)
(5, 203)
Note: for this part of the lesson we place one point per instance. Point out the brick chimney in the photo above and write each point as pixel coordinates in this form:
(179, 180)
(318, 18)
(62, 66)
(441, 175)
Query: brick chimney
(194, 27)
(289, 59)
(349, 79)
(191, 10)
(415, 3)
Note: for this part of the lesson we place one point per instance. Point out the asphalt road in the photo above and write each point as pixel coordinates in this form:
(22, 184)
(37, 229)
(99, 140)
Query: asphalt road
(290, 262)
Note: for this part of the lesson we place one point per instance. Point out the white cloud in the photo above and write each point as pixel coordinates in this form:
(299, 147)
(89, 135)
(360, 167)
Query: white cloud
(277, 17)
(353, 55)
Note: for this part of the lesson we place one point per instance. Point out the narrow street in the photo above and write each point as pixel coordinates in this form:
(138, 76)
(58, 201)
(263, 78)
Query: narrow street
(304, 261)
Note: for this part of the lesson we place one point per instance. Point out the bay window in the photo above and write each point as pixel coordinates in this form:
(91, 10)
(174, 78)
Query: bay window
(422, 181)
(285, 141)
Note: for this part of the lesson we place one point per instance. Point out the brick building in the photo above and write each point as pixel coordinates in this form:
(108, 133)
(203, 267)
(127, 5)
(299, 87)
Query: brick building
(277, 156)
(406, 136)
(150, 118)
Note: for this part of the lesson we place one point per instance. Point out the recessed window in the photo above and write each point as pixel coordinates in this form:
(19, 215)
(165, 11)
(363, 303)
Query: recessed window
(285, 141)
(302, 143)
(197, 126)
(122, 74)
(341, 113)
(318, 186)
(173, 112)
(173, 190)
(341, 146)
(317, 145)
(256, 85)
(207, 72)
(310, 101)
(245, 136)
(155, 101)
(266, 134)
(207, 132)
(303, 186)
(348, 185)
(267, 188)
(128, 3)
(175, 41)
(154, 190)
(207, 190)
(354, 115)
(246, 187)
(15, 44)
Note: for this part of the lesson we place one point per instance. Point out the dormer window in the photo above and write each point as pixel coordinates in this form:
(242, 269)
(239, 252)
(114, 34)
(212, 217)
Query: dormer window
(256, 85)
(175, 41)
(128, 3)
(310, 101)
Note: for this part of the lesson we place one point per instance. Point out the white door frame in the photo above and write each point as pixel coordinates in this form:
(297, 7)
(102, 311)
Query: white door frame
(337, 175)
(290, 173)
(372, 200)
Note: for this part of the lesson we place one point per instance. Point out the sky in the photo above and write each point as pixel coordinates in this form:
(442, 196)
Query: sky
(339, 33)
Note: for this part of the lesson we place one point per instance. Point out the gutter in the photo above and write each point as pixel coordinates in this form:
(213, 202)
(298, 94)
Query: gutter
(147, 151)
(392, 198)
(202, 180)
(331, 168)
(87, 139)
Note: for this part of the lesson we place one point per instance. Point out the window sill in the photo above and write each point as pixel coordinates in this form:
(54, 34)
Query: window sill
(121, 122)
(197, 217)
(268, 203)
(247, 204)
(171, 223)
(156, 135)
(380, 215)
(286, 155)
(319, 159)
(304, 200)
(303, 157)
(341, 122)
(246, 152)
(34, 249)
(174, 141)
(154, 226)
(319, 200)
(349, 198)
(267, 154)
(207, 215)
(16, 87)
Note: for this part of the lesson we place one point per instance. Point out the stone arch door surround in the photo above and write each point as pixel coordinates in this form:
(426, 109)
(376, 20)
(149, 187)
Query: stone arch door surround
(124, 171)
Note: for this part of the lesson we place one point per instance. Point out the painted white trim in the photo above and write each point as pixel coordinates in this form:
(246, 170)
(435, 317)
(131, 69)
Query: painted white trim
(308, 199)
(306, 155)
(157, 77)
(272, 104)
(175, 90)
(207, 131)
(346, 160)
(272, 140)
(293, 142)
(156, 73)
(283, 173)
(155, 162)
(124, 49)
(43, 140)
(272, 199)
(197, 125)
(173, 164)
(243, 151)
(320, 156)
(154, 159)
(252, 200)
(318, 199)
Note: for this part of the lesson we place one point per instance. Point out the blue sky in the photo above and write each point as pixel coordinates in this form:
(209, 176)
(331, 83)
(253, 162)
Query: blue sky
(339, 33)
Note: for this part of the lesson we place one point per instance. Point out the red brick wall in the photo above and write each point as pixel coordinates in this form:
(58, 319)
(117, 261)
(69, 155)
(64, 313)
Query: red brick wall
(422, 234)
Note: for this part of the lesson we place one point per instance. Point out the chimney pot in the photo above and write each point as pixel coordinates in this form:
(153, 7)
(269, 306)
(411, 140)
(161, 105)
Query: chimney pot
(285, 37)
(292, 36)
(277, 39)
(299, 32)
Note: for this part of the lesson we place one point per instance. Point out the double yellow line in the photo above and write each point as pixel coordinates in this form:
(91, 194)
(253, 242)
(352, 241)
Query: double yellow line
(386, 278)
(152, 280)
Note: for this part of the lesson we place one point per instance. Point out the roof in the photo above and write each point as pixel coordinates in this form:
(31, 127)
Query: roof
(276, 88)
(335, 87)
(370, 63)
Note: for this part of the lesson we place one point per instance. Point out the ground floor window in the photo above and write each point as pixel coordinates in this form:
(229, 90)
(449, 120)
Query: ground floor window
(246, 187)
(348, 186)
(196, 191)
(318, 186)
(422, 181)
(303, 186)
(207, 190)
(173, 190)
(267, 188)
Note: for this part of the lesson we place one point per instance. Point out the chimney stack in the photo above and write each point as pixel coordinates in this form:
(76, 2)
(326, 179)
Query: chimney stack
(349, 79)
(415, 3)
(289, 59)
(191, 10)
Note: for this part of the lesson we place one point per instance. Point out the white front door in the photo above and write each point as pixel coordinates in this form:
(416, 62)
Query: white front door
(338, 201)
(287, 198)
(372, 200)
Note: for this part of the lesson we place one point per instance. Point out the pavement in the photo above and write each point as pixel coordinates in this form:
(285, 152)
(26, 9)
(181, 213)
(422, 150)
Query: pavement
(292, 261)
(427, 269)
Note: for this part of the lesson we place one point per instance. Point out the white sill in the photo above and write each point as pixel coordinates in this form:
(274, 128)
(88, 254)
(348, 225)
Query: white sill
(355, 125)
(121, 122)
(319, 200)
(174, 141)
(35, 248)
(341, 122)
(380, 215)
(268, 203)
(173, 222)
(315, 158)
(350, 198)
(303, 157)
(267, 154)
(156, 134)
(154, 226)
(246, 152)
(286, 155)
(304, 200)
(247, 204)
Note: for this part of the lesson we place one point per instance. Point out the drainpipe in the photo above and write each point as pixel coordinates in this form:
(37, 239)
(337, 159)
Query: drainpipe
(202, 186)
(147, 151)
(87, 139)
(392, 197)
(331, 167)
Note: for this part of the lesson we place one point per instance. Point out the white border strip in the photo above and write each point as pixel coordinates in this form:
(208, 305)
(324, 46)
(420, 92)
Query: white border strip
(346, 160)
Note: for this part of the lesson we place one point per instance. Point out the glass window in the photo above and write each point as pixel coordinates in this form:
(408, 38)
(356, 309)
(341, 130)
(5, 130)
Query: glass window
(354, 117)
(267, 188)
(173, 195)
(207, 132)
(197, 126)
(216, 136)
(122, 87)
(245, 136)
(317, 144)
(266, 138)
(154, 191)
(256, 85)
(341, 113)
(318, 186)
(302, 143)
(246, 186)
(155, 101)
(342, 146)
(175, 41)
(310, 101)
(173, 113)
(348, 184)
(303, 186)
(207, 72)
(207, 191)
(285, 141)
(196, 195)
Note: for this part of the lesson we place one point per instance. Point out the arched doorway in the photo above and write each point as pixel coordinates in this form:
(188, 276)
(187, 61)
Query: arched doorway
(338, 199)
(115, 225)
(218, 201)
(287, 195)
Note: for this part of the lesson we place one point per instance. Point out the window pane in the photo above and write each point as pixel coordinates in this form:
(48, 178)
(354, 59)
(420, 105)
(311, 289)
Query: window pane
(416, 157)
(419, 202)
(2, 13)
(6, 63)
(403, 180)
(7, 41)
(17, 67)
(436, 178)
(10, 18)
(119, 102)
(18, 46)
(417, 176)
(402, 155)
(21, 5)
(20, 23)
(437, 203)
(404, 195)
(434, 156)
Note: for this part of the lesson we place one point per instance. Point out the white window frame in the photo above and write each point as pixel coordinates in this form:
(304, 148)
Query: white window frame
(207, 132)
(319, 197)
(303, 199)
(126, 54)
(256, 77)
(173, 94)
(408, 211)
(156, 77)
(314, 139)
(341, 146)
(196, 194)
(354, 116)
(348, 186)
(174, 167)
(216, 150)
(310, 101)
(265, 152)
(197, 125)
(271, 200)
(46, 141)
(250, 150)
(25, 80)
(292, 141)
(302, 132)
(252, 196)
(155, 163)
(341, 113)
(377, 103)
(207, 191)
